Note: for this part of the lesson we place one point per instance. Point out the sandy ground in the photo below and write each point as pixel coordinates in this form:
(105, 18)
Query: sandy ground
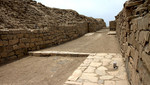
(31, 70)
(97, 42)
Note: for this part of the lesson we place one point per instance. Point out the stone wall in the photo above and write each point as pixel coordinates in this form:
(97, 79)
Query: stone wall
(133, 30)
(26, 25)
(16, 43)
(112, 25)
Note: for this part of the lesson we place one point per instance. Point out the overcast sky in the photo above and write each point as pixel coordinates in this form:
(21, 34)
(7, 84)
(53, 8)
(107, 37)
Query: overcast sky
(105, 9)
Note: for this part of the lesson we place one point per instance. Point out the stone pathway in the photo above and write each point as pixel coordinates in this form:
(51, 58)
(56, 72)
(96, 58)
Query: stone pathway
(98, 69)
(101, 48)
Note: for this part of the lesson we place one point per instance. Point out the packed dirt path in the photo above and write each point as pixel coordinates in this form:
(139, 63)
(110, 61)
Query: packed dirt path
(96, 42)
(34, 70)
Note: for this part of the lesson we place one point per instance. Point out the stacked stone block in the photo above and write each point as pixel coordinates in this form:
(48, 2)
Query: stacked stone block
(34, 26)
(133, 30)
(16, 43)
(112, 25)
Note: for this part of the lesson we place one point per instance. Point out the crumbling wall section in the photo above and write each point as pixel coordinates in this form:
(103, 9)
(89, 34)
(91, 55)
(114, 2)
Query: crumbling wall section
(133, 31)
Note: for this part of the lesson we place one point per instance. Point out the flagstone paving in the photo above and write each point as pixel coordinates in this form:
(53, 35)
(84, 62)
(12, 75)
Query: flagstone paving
(98, 69)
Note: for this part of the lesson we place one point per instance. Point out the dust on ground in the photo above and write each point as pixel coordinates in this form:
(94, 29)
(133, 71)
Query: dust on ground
(32, 70)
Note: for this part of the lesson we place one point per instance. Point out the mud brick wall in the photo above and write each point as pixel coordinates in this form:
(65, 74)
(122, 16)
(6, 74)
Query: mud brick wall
(16, 43)
(133, 30)
(112, 25)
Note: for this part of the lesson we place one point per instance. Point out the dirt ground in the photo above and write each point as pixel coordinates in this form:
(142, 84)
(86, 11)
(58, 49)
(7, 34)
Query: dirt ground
(31, 70)
(55, 70)
(97, 42)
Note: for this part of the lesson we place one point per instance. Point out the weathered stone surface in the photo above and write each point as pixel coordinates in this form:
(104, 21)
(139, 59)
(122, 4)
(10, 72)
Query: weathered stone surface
(89, 74)
(106, 62)
(106, 77)
(89, 83)
(131, 3)
(122, 82)
(90, 69)
(72, 83)
(109, 83)
(146, 59)
(93, 64)
(90, 78)
(133, 31)
(101, 70)
(112, 25)
(75, 75)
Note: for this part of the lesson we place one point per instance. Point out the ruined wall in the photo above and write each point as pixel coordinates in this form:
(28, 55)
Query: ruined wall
(112, 25)
(26, 25)
(133, 30)
(16, 43)
(29, 14)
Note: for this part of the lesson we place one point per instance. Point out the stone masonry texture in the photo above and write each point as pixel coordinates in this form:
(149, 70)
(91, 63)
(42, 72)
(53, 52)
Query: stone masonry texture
(26, 25)
(133, 30)
(112, 25)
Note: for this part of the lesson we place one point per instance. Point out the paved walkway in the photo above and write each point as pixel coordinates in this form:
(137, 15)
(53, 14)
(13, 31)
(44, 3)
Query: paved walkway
(98, 69)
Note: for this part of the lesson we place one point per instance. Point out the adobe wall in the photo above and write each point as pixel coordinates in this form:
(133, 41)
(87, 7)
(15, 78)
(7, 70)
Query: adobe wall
(16, 43)
(133, 31)
(27, 25)
(112, 25)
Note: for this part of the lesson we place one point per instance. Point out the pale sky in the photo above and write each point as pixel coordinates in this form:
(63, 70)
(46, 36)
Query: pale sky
(105, 9)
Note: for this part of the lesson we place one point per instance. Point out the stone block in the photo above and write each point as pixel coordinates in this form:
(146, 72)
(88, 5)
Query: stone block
(112, 25)
(24, 40)
(12, 42)
(1, 49)
(20, 35)
(129, 4)
(1, 43)
(134, 25)
(144, 37)
(109, 82)
(128, 52)
(122, 82)
(146, 59)
(136, 58)
(147, 48)
(143, 22)
(15, 47)
(4, 37)
(143, 73)
(5, 43)
(75, 75)
(4, 54)
(11, 53)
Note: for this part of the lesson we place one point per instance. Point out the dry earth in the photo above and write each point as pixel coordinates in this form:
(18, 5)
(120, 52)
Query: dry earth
(31, 70)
